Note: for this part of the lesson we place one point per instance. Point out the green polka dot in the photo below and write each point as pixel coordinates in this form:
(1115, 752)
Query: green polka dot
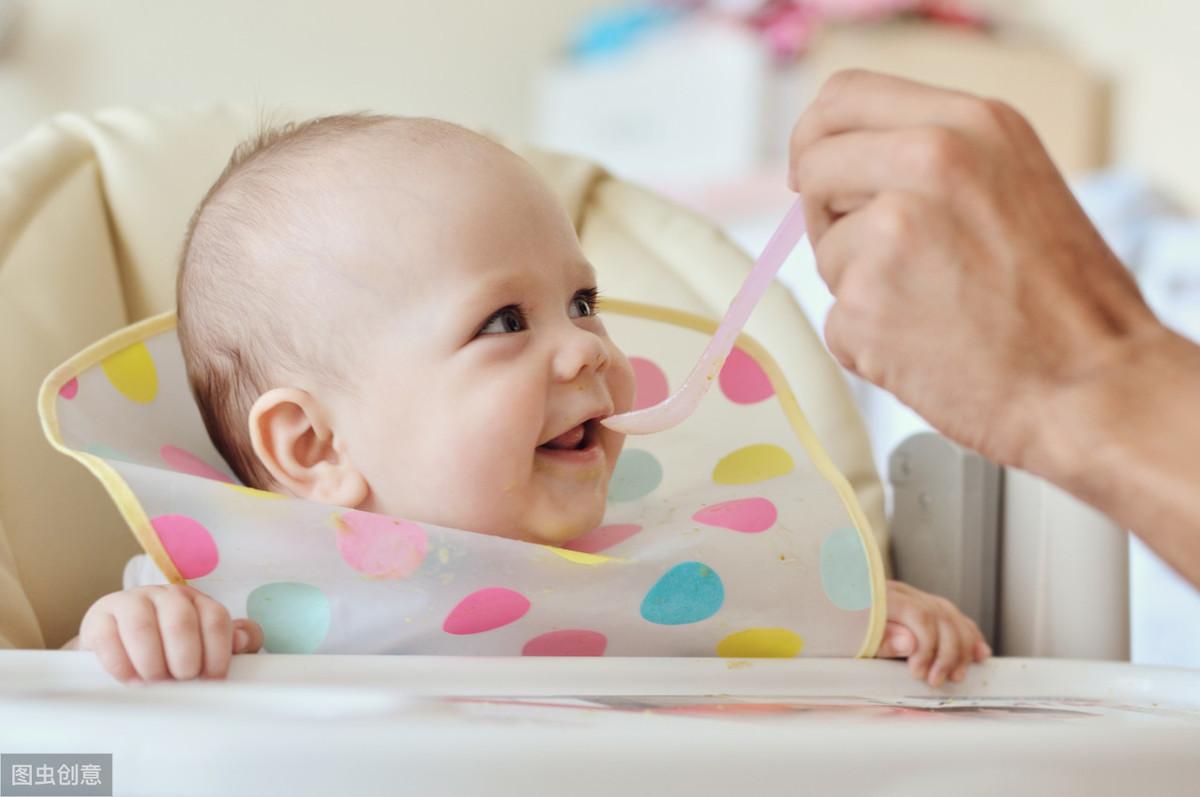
(108, 452)
(294, 617)
(637, 474)
(845, 574)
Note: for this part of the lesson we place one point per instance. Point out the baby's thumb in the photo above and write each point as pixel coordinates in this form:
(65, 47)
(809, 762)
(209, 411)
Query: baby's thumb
(898, 642)
(247, 636)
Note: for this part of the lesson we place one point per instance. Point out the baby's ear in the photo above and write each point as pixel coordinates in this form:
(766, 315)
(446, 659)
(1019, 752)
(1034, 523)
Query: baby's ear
(294, 440)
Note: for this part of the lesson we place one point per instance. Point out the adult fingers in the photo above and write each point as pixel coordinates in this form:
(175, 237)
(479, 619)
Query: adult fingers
(842, 173)
(879, 233)
(861, 100)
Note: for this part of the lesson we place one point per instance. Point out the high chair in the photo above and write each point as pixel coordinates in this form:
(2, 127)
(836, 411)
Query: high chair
(92, 212)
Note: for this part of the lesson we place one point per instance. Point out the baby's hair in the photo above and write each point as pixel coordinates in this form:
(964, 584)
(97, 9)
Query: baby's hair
(254, 224)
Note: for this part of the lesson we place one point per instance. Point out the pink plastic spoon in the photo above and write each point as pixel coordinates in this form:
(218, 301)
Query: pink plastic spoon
(675, 409)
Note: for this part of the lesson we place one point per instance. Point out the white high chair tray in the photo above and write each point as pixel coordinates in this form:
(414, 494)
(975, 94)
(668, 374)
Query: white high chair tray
(438, 725)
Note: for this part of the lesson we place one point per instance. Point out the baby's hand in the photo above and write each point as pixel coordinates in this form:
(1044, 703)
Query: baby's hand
(938, 640)
(156, 633)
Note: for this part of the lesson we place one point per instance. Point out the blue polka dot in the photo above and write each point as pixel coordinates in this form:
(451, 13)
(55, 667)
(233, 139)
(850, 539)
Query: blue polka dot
(845, 574)
(294, 617)
(687, 593)
(636, 475)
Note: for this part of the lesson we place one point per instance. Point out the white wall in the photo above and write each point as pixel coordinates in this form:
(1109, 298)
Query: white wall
(471, 61)
(1150, 49)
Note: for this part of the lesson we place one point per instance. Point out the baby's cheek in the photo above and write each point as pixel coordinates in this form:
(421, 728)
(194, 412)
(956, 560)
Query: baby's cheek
(495, 462)
(621, 382)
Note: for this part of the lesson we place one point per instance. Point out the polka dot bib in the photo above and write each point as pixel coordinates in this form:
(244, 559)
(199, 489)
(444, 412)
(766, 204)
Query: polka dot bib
(729, 535)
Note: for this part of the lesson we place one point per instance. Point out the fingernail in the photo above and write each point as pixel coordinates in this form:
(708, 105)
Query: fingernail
(240, 640)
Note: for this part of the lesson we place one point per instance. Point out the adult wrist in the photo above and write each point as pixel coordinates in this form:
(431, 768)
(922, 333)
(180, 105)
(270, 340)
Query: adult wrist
(1111, 426)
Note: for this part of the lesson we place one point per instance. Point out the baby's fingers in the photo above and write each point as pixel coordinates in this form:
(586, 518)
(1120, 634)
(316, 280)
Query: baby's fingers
(974, 648)
(179, 622)
(948, 650)
(247, 636)
(898, 642)
(137, 624)
(216, 631)
(926, 632)
(100, 635)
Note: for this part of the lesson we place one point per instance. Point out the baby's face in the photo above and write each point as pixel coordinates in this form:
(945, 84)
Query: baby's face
(478, 393)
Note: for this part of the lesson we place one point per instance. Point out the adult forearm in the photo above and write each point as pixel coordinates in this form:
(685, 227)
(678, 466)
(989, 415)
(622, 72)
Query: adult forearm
(1126, 439)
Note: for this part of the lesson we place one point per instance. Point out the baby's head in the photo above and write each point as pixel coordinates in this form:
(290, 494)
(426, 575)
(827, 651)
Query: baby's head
(395, 315)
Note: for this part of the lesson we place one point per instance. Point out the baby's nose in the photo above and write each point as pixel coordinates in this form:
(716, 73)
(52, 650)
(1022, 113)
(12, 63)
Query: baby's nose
(579, 352)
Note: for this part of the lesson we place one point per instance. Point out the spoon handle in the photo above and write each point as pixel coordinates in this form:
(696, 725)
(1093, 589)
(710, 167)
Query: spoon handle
(677, 407)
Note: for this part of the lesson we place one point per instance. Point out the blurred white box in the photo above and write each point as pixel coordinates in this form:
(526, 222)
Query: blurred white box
(686, 105)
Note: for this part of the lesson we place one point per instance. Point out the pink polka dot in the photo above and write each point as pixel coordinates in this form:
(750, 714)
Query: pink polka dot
(650, 382)
(189, 545)
(743, 381)
(603, 537)
(381, 546)
(745, 514)
(484, 610)
(187, 462)
(69, 390)
(571, 642)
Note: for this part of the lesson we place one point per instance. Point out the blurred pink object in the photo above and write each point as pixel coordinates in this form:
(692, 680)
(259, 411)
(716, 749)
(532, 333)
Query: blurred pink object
(864, 9)
(789, 25)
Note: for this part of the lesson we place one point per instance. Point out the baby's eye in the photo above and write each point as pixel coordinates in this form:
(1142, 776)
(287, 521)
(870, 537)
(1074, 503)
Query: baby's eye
(583, 304)
(505, 320)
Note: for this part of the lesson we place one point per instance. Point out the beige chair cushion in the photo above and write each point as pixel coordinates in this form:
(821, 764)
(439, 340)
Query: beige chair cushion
(92, 212)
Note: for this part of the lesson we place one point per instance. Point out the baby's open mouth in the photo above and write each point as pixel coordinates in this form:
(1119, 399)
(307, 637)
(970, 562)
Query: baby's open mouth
(577, 438)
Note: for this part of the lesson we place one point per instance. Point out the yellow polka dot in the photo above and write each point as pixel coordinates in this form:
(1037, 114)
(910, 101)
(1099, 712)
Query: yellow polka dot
(761, 643)
(751, 464)
(257, 493)
(578, 557)
(132, 372)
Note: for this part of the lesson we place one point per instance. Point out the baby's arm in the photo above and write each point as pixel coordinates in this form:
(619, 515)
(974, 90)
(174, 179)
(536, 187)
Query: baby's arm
(159, 632)
(938, 640)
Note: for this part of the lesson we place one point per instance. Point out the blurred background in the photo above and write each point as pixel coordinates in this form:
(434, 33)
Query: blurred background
(694, 99)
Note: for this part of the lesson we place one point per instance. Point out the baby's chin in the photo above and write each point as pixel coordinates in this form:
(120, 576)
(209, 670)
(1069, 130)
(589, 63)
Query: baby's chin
(549, 521)
(559, 528)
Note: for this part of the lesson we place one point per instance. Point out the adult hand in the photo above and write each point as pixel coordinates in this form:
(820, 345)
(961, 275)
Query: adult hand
(968, 281)
(970, 284)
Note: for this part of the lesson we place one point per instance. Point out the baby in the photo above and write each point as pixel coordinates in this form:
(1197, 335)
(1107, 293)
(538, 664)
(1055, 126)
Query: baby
(376, 312)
